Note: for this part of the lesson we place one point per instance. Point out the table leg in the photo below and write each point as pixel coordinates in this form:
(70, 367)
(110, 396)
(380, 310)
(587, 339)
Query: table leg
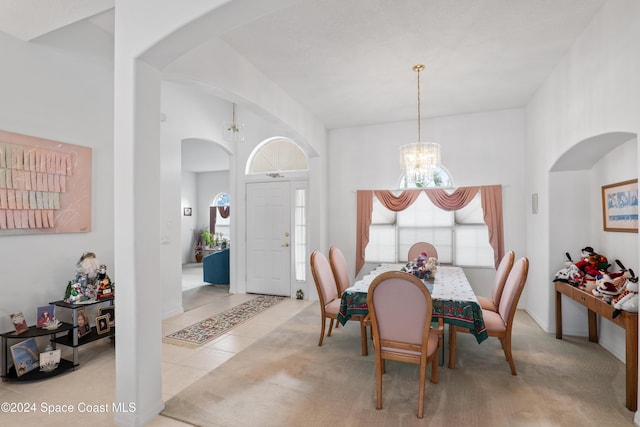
(631, 361)
(363, 337)
(4, 358)
(558, 315)
(452, 346)
(593, 325)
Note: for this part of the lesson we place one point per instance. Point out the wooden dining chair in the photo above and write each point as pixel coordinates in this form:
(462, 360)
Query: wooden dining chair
(417, 248)
(400, 308)
(327, 293)
(341, 275)
(340, 270)
(502, 272)
(499, 324)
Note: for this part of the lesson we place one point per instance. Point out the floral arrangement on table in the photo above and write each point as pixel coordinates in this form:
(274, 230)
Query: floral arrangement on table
(423, 267)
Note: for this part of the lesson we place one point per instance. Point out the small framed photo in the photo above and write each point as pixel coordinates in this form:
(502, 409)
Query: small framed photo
(620, 206)
(186, 211)
(19, 323)
(26, 356)
(110, 312)
(45, 315)
(102, 324)
(83, 323)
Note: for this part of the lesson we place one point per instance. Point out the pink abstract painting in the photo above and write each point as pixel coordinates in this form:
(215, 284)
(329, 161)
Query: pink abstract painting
(45, 186)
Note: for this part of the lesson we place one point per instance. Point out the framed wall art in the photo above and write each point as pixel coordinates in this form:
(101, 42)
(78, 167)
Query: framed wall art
(45, 186)
(186, 211)
(620, 206)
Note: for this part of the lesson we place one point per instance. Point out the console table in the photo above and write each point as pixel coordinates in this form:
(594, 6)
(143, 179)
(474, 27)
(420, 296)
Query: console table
(627, 321)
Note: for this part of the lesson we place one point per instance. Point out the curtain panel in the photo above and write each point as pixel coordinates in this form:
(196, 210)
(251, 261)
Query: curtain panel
(491, 196)
(213, 213)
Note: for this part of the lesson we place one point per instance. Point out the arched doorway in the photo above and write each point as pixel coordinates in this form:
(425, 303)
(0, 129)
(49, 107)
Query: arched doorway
(205, 177)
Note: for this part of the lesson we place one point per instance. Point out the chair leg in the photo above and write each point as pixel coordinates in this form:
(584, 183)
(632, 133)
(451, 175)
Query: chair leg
(331, 326)
(379, 370)
(508, 355)
(322, 332)
(423, 375)
(452, 346)
(435, 374)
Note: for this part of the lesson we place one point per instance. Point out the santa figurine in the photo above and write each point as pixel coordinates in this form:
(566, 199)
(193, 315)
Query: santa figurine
(87, 266)
(628, 300)
(87, 271)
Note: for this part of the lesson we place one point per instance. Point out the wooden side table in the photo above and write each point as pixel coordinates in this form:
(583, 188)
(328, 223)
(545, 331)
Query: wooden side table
(627, 321)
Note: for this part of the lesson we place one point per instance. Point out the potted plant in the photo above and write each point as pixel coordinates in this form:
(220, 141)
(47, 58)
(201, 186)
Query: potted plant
(198, 252)
(197, 249)
(207, 238)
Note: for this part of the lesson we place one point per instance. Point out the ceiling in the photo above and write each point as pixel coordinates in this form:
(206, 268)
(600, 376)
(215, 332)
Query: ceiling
(350, 62)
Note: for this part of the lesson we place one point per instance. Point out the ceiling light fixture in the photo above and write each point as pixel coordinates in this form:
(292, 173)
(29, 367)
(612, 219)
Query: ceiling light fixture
(233, 130)
(419, 159)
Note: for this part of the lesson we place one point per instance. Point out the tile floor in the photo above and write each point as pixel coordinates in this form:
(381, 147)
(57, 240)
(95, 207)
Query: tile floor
(93, 382)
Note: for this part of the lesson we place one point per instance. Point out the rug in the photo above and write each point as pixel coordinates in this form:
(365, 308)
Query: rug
(208, 329)
(285, 379)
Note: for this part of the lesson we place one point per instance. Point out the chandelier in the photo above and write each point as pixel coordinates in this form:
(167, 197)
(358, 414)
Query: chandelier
(419, 159)
(233, 130)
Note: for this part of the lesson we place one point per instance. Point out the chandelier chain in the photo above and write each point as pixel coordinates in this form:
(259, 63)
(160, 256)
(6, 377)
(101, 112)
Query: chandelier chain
(419, 131)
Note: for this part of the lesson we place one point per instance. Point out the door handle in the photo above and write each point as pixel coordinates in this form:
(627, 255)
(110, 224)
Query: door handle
(286, 245)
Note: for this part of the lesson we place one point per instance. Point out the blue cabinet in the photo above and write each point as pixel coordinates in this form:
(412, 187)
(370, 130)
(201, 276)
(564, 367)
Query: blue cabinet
(215, 267)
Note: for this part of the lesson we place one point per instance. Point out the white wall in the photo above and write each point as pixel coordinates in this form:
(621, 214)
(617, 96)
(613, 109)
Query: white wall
(51, 94)
(189, 223)
(478, 149)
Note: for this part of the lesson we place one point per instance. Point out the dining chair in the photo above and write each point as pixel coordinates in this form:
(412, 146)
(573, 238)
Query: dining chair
(329, 301)
(502, 272)
(341, 275)
(499, 324)
(340, 270)
(327, 293)
(400, 309)
(417, 248)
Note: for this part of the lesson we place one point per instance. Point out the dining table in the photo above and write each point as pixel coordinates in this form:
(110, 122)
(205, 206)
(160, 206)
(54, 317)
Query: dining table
(453, 298)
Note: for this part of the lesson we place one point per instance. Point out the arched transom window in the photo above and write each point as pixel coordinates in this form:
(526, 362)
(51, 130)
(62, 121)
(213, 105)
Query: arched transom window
(275, 155)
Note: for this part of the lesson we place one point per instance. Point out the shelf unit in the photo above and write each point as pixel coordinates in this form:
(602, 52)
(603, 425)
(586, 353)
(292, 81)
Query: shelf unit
(71, 339)
(9, 374)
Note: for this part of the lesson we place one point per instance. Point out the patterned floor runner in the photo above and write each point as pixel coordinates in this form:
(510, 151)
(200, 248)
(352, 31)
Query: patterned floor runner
(206, 330)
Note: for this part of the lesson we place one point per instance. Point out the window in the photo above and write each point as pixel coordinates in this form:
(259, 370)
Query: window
(277, 154)
(441, 178)
(216, 221)
(461, 237)
(300, 235)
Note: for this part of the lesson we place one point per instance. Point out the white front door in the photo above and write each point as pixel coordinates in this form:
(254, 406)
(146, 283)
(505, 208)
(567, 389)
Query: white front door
(269, 238)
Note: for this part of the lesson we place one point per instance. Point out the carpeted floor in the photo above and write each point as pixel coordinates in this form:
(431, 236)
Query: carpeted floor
(285, 379)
